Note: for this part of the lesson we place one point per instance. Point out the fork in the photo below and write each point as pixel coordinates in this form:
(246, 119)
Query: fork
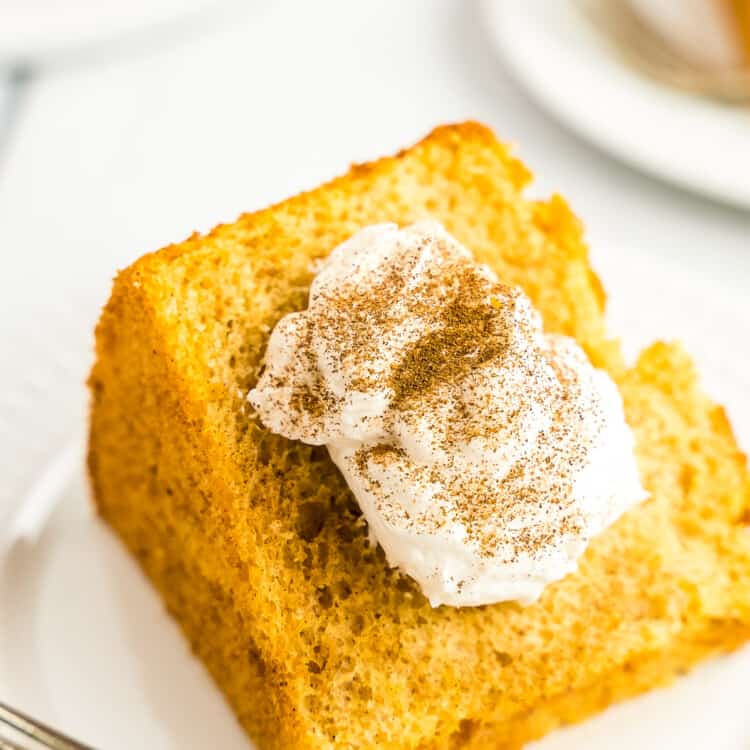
(649, 52)
(40, 733)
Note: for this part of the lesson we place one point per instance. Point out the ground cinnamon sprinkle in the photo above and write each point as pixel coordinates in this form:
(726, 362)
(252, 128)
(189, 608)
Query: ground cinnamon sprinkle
(467, 336)
(436, 348)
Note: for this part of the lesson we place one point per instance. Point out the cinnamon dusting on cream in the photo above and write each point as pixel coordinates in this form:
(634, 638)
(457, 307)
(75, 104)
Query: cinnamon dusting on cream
(452, 415)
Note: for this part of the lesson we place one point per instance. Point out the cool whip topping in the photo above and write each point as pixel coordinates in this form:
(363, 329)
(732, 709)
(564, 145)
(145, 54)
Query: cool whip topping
(484, 453)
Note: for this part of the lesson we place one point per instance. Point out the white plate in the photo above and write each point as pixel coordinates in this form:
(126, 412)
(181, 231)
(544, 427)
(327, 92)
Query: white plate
(86, 644)
(691, 142)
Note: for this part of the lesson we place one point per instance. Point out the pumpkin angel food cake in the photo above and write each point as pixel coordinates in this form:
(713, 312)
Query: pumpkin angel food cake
(378, 453)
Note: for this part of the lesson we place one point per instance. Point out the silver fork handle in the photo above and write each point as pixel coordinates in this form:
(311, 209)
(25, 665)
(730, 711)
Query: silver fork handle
(41, 733)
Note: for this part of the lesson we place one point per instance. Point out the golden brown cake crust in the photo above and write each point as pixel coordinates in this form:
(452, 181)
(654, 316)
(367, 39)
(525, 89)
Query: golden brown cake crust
(261, 553)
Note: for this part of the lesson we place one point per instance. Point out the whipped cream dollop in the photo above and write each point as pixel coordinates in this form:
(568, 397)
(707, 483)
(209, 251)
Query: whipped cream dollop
(484, 453)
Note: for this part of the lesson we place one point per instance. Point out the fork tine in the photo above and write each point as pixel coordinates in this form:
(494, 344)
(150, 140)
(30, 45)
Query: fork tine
(36, 730)
(631, 36)
(9, 745)
(651, 40)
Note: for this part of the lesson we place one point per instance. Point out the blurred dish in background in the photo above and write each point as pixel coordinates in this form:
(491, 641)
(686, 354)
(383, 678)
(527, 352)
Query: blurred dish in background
(37, 30)
(703, 53)
(713, 33)
(571, 69)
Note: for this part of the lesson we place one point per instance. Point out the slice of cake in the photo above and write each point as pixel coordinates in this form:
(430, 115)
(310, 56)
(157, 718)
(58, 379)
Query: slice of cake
(262, 554)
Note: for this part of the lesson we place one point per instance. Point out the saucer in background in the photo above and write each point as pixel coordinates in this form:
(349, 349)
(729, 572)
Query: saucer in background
(555, 54)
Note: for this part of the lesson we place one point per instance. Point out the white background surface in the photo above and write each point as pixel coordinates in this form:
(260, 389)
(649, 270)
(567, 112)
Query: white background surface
(33, 31)
(108, 158)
